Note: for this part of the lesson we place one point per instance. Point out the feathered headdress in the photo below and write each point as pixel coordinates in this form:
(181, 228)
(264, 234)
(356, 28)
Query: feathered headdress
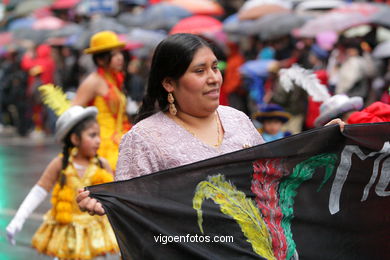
(55, 98)
(297, 76)
(332, 106)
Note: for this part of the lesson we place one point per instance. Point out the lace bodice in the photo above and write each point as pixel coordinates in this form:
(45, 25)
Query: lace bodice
(158, 143)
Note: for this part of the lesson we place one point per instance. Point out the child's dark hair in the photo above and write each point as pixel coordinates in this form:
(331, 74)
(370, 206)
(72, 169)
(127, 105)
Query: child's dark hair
(68, 145)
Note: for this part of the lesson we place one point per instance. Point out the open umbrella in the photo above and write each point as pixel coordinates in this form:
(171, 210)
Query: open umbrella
(235, 26)
(102, 23)
(332, 21)
(131, 20)
(131, 44)
(48, 23)
(258, 11)
(382, 17)
(382, 50)
(276, 25)
(366, 9)
(253, 3)
(67, 30)
(35, 36)
(5, 38)
(64, 4)
(42, 12)
(163, 16)
(149, 38)
(378, 14)
(20, 23)
(26, 7)
(318, 5)
(200, 7)
(197, 24)
(155, 17)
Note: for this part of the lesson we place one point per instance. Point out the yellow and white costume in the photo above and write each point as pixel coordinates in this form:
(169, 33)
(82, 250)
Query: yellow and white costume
(111, 118)
(68, 233)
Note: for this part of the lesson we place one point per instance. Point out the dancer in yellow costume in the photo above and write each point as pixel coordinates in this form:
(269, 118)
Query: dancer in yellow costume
(67, 232)
(103, 89)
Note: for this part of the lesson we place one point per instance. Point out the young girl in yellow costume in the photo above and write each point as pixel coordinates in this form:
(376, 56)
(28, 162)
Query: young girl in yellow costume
(103, 89)
(67, 232)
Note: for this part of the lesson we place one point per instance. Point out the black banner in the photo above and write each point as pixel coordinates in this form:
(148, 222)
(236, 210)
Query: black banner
(320, 194)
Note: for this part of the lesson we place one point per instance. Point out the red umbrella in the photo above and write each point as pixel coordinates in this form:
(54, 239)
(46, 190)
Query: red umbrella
(201, 7)
(64, 4)
(198, 24)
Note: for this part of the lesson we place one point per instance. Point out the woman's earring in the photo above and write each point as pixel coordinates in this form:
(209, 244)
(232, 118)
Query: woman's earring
(74, 151)
(172, 107)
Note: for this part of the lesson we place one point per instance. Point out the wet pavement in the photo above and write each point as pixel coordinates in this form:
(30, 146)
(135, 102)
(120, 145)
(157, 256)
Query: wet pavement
(22, 161)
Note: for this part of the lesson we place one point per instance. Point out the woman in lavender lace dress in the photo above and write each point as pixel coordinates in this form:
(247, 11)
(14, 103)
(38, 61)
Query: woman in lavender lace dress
(180, 120)
(188, 125)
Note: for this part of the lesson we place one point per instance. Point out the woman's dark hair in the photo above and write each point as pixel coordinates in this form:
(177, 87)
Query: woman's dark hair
(170, 59)
(68, 145)
(104, 56)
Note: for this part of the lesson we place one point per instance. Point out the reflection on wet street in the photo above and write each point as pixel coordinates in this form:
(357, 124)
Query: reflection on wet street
(22, 162)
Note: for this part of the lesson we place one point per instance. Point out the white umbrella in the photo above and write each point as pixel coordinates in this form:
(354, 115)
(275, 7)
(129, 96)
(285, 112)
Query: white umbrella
(382, 50)
(318, 5)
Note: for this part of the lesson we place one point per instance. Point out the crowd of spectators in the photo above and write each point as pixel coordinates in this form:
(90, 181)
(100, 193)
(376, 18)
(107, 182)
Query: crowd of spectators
(342, 60)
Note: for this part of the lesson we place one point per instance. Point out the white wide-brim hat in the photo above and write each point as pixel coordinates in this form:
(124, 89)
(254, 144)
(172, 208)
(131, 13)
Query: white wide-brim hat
(70, 118)
(337, 105)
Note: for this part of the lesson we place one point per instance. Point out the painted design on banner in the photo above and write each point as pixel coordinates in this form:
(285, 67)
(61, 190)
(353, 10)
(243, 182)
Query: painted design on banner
(235, 204)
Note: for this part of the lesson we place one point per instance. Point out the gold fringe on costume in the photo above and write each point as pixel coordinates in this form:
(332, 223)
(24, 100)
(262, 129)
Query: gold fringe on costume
(85, 236)
(112, 129)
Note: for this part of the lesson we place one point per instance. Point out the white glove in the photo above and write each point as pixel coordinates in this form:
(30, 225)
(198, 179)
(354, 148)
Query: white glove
(36, 195)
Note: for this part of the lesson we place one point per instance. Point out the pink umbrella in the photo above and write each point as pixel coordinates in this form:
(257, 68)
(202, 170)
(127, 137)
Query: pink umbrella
(366, 9)
(42, 12)
(130, 44)
(332, 21)
(48, 23)
(198, 24)
(6, 38)
(200, 7)
(342, 18)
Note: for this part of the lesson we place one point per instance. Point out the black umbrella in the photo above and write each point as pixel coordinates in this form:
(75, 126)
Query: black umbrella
(36, 36)
(273, 26)
(158, 16)
(67, 31)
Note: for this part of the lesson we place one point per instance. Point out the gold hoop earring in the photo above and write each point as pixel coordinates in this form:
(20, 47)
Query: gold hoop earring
(172, 107)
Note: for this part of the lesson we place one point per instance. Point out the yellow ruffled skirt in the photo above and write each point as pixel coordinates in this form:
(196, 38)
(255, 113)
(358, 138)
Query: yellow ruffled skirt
(85, 237)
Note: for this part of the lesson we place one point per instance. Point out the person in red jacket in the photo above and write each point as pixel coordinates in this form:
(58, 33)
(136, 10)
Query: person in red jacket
(374, 113)
(41, 66)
